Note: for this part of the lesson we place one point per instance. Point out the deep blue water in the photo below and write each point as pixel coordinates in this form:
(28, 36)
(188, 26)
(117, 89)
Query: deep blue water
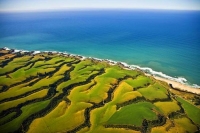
(166, 41)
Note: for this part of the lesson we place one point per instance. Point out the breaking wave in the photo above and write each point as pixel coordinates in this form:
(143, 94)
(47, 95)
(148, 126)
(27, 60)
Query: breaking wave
(146, 70)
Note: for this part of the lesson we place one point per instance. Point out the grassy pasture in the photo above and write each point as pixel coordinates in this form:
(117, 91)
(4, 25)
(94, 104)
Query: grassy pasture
(133, 114)
(49, 62)
(101, 115)
(76, 79)
(183, 125)
(22, 74)
(167, 107)
(79, 74)
(155, 91)
(7, 117)
(14, 103)
(23, 88)
(4, 80)
(17, 62)
(163, 129)
(62, 70)
(140, 81)
(52, 121)
(80, 93)
(192, 111)
(101, 129)
(124, 92)
(105, 82)
(127, 86)
(26, 111)
(15, 90)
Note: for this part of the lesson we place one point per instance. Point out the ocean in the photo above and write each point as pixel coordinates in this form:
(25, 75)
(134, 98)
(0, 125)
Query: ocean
(163, 42)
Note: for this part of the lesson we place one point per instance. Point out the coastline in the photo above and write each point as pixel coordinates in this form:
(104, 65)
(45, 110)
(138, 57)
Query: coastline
(179, 86)
(176, 83)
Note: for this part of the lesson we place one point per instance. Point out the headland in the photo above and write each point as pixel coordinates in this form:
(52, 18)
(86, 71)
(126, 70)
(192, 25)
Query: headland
(41, 91)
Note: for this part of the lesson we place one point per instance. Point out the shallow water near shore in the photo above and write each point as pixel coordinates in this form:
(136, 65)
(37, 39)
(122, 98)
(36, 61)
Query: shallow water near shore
(166, 41)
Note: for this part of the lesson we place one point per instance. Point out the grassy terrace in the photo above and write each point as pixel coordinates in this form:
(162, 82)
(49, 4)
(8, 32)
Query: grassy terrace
(50, 93)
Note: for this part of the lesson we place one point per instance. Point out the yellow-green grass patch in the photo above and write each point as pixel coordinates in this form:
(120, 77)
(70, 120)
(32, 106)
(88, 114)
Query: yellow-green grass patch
(164, 128)
(62, 70)
(183, 125)
(128, 96)
(22, 59)
(104, 83)
(15, 90)
(21, 89)
(167, 107)
(7, 117)
(192, 111)
(140, 81)
(102, 129)
(79, 94)
(76, 79)
(70, 116)
(133, 114)
(82, 64)
(37, 57)
(20, 73)
(99, 91)
(14, 103)
(100, 116)
(153, 92)
(116, 72)
(35, 71)
(49, 62)
(124, 92)
(26, 111)
(17, 62)
(4, 80)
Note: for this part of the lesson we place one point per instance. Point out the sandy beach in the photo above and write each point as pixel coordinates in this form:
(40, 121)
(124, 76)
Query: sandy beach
(180, 86)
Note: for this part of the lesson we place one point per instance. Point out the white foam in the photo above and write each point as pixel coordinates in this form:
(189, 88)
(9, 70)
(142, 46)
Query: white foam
(98, 59)
(196, 86)
(55, 52)
(6, 48)
(16, 50)
(111, 62)
(24, 51)
(36, 52)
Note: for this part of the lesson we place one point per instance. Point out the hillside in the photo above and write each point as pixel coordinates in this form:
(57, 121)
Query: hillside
(51, 92)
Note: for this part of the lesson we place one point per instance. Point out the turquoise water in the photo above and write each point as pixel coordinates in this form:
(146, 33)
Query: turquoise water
(166, 41)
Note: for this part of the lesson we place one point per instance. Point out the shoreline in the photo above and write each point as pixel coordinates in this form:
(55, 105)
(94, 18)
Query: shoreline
(179, 86)
(177, 83)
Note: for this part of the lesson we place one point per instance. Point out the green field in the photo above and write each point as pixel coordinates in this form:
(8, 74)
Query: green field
(51, 93)
(191, 110)
(134, 114)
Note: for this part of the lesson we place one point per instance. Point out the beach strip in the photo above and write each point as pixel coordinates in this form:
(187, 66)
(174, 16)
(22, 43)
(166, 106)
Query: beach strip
(179, 86)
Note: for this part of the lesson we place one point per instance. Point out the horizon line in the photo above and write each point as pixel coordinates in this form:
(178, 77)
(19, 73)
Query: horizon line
(88, 9)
